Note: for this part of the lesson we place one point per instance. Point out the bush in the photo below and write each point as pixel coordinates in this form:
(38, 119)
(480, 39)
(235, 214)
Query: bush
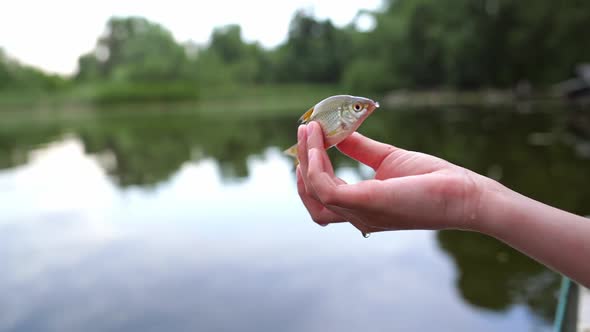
(141, 92)
(368, 76)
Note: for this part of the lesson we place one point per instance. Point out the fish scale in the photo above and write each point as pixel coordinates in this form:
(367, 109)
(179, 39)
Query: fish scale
(329, 121)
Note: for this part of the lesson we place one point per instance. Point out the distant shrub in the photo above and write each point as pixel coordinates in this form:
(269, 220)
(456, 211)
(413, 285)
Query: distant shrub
(141, 92)
(368, 76)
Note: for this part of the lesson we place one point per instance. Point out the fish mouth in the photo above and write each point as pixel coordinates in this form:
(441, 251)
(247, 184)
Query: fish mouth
(373, 105)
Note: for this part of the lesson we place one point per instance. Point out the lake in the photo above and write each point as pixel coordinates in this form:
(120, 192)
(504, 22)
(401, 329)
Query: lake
(175, 219)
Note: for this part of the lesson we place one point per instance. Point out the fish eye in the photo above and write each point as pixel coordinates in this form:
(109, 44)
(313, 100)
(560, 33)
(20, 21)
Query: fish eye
(357, 107)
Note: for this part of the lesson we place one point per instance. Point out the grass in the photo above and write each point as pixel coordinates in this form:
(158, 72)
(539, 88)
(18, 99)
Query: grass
(230, 98)
(117, 93)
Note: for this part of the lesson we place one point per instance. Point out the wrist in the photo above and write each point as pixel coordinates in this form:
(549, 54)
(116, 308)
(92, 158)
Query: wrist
(492, 207)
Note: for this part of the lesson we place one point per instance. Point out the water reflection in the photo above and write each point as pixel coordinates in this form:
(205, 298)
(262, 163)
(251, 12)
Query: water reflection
(148, 149)
(494, 276)
(188, 221)
(196, 253)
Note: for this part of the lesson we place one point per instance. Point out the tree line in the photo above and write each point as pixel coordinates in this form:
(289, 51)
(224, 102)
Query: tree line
(16, 76)
(415, 44)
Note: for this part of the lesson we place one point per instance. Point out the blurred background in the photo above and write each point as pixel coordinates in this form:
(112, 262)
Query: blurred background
(142, 185)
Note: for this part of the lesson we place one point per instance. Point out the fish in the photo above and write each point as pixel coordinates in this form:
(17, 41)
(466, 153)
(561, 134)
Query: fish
(338, 116)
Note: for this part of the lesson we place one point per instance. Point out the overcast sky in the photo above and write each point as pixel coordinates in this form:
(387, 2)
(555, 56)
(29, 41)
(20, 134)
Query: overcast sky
(52, 34)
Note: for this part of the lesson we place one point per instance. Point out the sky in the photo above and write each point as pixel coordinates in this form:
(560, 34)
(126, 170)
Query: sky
(51, 35)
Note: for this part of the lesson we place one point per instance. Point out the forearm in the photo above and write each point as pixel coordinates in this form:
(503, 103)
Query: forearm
(556, 238)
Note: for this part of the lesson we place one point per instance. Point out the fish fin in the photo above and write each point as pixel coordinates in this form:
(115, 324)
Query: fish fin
(332, 133)
(292, 151)
(306, 116)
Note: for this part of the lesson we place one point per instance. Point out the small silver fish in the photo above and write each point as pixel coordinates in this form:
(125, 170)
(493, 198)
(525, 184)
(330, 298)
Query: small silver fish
(339, 116)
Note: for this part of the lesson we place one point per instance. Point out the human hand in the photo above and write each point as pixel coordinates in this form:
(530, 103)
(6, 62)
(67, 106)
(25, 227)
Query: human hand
(410, 190)
(416, 191)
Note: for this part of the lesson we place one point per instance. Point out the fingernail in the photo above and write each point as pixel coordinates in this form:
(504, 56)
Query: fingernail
(300, 132)
(309, 129)
(310, 155)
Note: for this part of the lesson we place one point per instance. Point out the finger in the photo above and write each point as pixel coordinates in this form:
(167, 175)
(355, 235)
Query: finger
(366, 230)
(325, 186)
(362, 224)
(302, 148)
(321, 213)
(335, 193)
(315, 139)
(366, 150)
(302, 154)
(318, 212)
(315, 136)
(358, 223)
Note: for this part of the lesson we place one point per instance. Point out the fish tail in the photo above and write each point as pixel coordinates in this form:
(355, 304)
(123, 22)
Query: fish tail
(292, 151)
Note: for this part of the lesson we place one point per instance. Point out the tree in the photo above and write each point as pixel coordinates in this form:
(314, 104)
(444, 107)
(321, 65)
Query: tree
(473, 43)
(135, 50)
(16, 76)
(315, 51)
(227, 43)
(229, 58)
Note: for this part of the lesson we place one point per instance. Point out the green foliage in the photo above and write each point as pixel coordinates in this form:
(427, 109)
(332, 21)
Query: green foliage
(228, 59)
(480, 43)
(138, 92)
(210, 69)
(17, 77)
(366, 75)
(315, 51)
(135, 50)
(227, 43)
(415, 44)
(137, 60)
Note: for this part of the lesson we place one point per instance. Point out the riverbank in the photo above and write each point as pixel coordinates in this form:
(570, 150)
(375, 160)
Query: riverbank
(252, 98)
(230, 98)
(442, 97)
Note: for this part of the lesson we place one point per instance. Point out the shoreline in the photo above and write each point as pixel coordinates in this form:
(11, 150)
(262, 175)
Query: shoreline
(280, 98)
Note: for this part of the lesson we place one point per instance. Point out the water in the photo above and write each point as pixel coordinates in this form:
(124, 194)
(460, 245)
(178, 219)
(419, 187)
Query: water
(181, 221)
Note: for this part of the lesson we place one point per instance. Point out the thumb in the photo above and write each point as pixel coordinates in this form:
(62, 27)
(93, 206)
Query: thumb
(367, 151)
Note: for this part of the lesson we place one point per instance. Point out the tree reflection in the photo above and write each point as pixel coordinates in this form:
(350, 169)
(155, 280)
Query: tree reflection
(494, 276)
(530, 152)
(17, 139)
(149, 148)
(524, 151)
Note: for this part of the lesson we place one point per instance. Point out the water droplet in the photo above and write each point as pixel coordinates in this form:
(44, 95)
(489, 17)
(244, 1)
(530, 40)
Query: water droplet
(366, 235)
(323, 225)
